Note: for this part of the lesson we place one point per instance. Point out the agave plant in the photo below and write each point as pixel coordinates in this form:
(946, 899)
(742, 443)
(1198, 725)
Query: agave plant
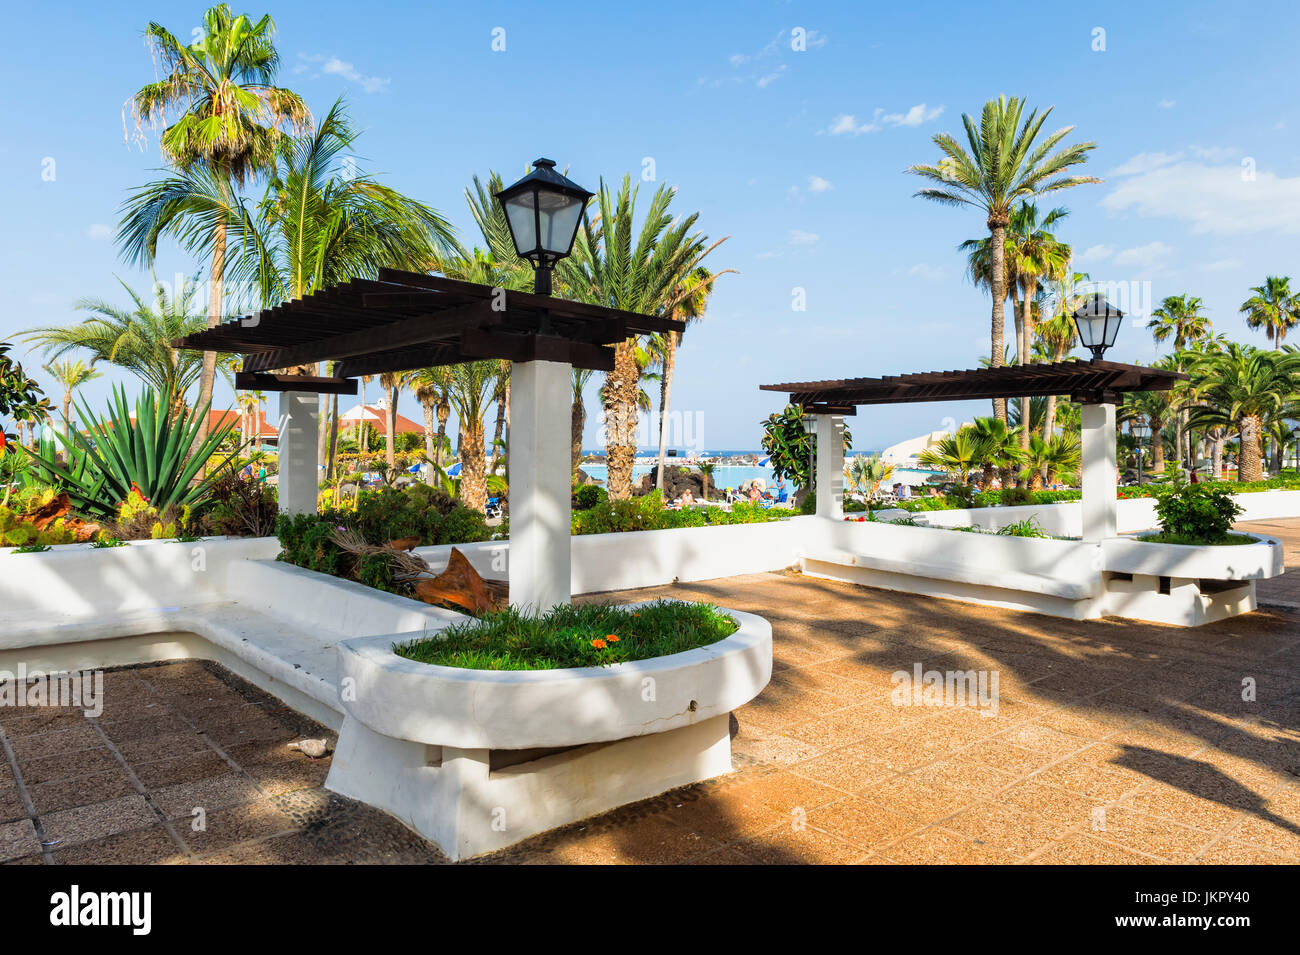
(153, 449)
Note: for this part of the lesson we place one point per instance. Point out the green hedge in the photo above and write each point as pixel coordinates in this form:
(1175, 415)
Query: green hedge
(647, 513)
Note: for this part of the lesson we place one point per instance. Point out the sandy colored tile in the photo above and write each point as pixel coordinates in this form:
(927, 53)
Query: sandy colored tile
(912, 799)
(85, 823)
(938, 847)
(1083, 849)
(1231, 852)
(724, 816)
(223, 828)
(787, 792)
(964, 775)
(851, 769)
(1151, 835)
(149, 846)
(18, 839)
(80, 791)
(785, 844)
(217, 792)
(861, 822)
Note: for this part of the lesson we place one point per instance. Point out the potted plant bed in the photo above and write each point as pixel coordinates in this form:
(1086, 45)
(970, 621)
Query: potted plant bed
(561, 728)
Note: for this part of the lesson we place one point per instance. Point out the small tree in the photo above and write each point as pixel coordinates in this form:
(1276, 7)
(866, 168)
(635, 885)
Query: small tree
(20, 397)
(787, 442)
(1194, 513)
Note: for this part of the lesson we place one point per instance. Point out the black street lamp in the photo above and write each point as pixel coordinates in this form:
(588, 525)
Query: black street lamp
(1139, 428)
(543, 210)
(1098, 322)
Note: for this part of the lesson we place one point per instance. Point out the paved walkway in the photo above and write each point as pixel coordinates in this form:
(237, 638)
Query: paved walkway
(1281, 591)
(1112, 742)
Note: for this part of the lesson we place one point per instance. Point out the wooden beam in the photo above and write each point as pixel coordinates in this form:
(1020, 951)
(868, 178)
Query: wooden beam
(410, 331)
(249, 381)
(484, 344)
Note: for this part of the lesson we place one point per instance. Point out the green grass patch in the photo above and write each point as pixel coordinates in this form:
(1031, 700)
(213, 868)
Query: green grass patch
(1227, 540)
(586, 636)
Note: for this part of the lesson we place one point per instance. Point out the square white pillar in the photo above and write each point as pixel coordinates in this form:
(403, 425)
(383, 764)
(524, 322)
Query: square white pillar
(1100, 475)
(541, 398)
(299, 476)
(830, 466)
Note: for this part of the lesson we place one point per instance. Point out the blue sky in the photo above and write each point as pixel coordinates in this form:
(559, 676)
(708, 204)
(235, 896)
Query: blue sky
(797, 155)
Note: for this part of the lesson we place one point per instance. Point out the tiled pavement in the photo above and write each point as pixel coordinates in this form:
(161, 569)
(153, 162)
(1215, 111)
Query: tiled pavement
(1112, 742)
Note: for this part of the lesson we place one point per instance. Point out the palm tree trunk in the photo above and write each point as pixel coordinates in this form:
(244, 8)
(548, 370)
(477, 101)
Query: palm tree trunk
(428, 428)
(577, 422)
(334, 437)
(1217, 439)
(997, 234)
(443, 411)
(473, 466)
(209, 372)
(1249, 463)
(67, 408)
(1157, 447)
(361, 425)
(390, 421)
(619, 397)
(1026, 319)
(496, 433)
(665, 397)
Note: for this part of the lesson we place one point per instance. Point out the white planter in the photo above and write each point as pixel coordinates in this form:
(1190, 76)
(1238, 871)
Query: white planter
(1257, 561)
(476, 760)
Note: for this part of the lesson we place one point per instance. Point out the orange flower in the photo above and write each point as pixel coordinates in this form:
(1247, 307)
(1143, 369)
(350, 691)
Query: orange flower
(612, 638)
(598, 644)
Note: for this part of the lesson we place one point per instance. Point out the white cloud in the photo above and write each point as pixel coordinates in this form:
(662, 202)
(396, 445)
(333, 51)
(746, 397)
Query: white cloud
(931, 273)
(333, 66)
(915, 116)
(800, 237)
(1166, 104)
(1153, 255)
(848, 122)
(1222, 265)
(1145, 162)
(738, 59)
(99, 232)
(767, 79)
(1096, 253)
(818, 184)
(1214, 199)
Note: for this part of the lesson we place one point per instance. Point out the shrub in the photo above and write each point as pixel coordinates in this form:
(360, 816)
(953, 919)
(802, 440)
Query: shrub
(647, 513)
(588, 496)
(1013, 496)
(1194, 513)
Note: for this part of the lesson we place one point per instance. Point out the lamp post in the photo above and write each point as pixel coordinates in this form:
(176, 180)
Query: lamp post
(1098, 323)
(1139, 429)
(543, 211)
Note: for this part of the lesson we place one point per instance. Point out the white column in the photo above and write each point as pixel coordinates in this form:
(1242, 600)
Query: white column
(830, 466)
(299, 475)
(541, 397)
(1100, 477)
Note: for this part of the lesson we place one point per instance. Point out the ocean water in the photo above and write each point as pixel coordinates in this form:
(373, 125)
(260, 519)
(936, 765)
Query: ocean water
(725, 476)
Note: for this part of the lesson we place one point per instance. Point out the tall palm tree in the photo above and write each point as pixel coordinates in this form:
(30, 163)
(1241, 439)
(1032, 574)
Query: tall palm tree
(470, 387)
(1039, 256)
(392, 382)
(578, 415)
(71, 374)
(1273, 308)
(690, 308)
(1006, 163)
(430, 385)
(645, 270)
(1156, 408)
(1247, 388)
(1181, 318)
(226, 120)
(137, 338)
(250, 404)
(1058, 333)
(500, 432)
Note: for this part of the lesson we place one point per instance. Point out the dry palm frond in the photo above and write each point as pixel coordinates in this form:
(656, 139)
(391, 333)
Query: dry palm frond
(406, 564)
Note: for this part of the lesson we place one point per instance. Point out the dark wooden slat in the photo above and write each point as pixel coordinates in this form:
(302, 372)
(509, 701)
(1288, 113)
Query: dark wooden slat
(481, 344)
(412, 331)
(248, 381)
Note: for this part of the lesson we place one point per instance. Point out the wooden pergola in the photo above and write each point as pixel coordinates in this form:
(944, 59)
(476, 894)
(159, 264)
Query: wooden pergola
(1088, 382)
(404, 320)
(1098, 385)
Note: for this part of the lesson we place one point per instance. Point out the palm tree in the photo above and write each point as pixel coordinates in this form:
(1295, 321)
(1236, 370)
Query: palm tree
(1179, 317)
(962, 452)
(250, 403)
(1005, 164)
(502, 398)
(71, 374)
(867, 472)
(1247, 388)
(1046, 460)
(138, 338)
(1058, 332)
(1273, 307)
(1001, 444)
(647, 270)
(392, 382)
(1156, 408)
(229, 118)
(470, 387)
(690, 308)
(578, 415)
(430, 386)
